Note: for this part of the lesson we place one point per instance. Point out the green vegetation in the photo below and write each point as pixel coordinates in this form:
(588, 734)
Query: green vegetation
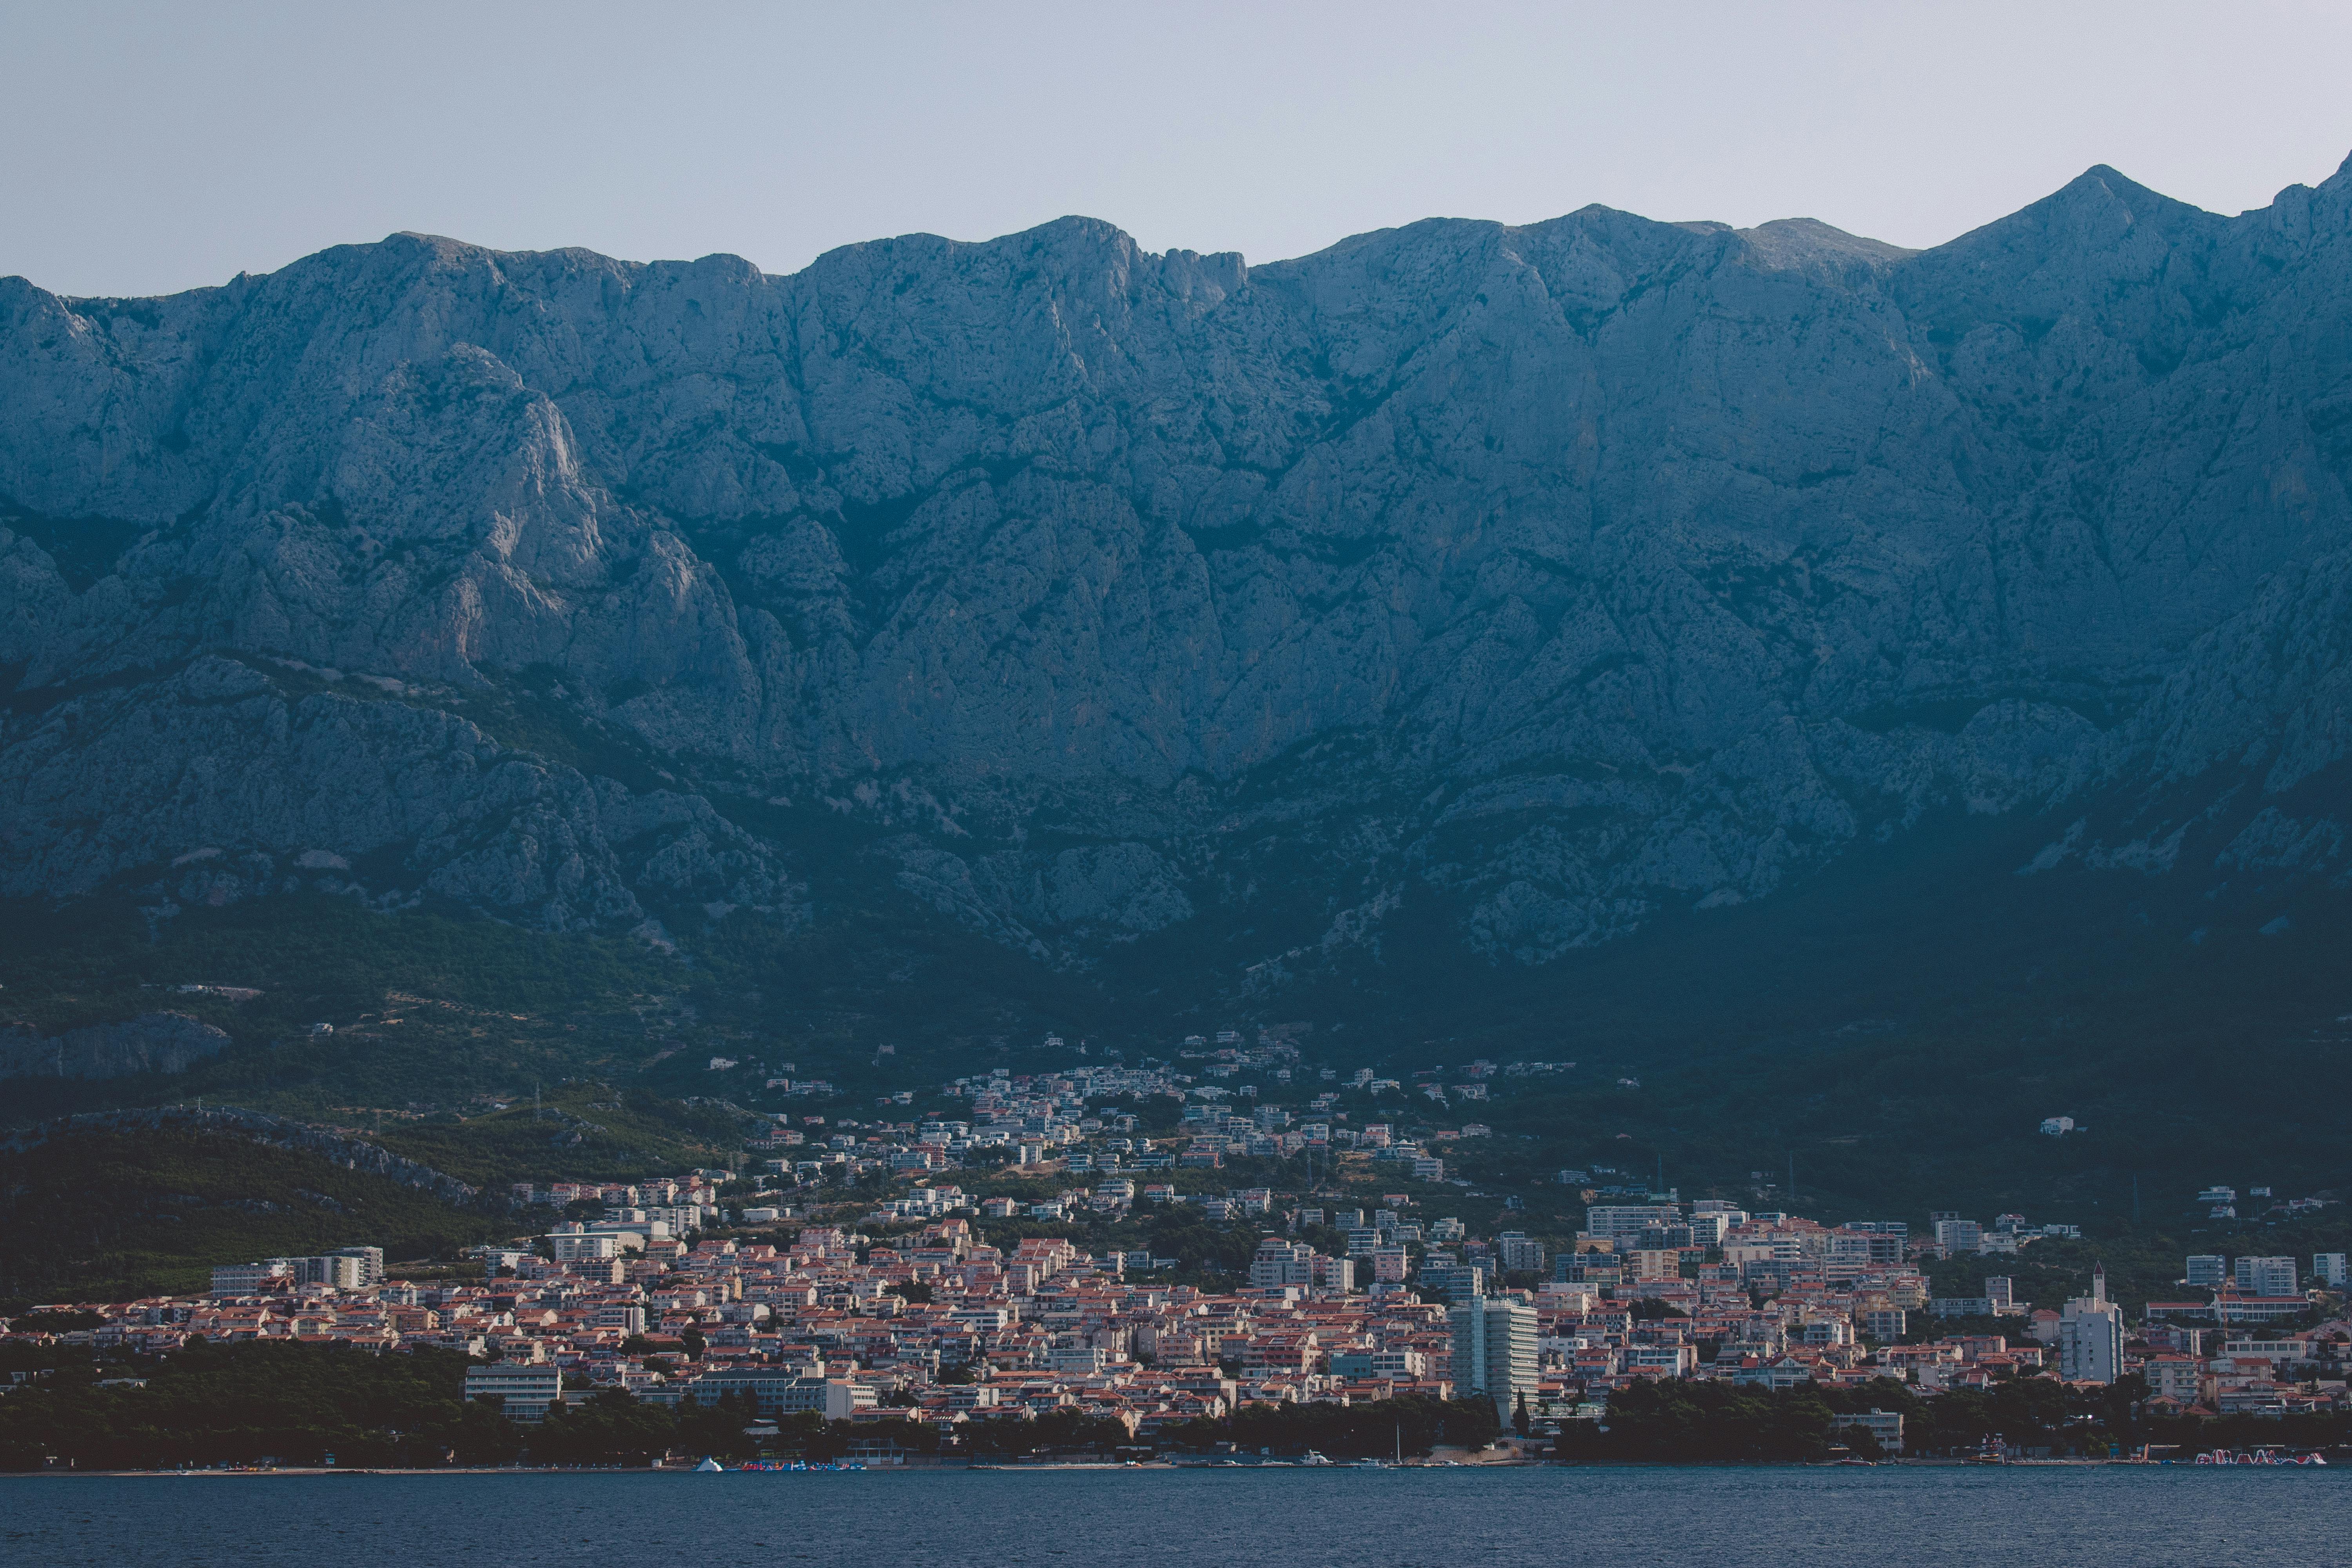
(438, 1011)
(1899, 1026)
(1684, 1422)
(1374, 1430)
(615, 1427)
(577, 1130)
(2143, 1263)
(1896, 1028)
(243, 1403)
(430, 1012)
(297, 1403)
(116, 1216)
(1678, 1422)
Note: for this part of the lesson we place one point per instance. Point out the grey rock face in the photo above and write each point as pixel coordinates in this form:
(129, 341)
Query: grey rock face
(153, 1042)
(1566, 573)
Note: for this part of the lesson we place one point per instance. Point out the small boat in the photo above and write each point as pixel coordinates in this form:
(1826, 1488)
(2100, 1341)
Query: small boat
(709, 1466)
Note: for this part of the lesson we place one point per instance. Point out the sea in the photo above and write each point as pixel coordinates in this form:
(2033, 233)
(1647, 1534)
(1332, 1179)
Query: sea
(2108, 1514)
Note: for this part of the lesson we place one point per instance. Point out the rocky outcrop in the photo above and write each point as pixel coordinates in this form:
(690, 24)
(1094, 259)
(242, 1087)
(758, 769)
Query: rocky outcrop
(153, 1042)
(1566, 573)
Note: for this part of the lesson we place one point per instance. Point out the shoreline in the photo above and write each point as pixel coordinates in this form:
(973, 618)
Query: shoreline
(1092, 1467)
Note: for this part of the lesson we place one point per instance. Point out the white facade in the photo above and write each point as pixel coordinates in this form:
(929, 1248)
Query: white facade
(572, 1247)
(371, 1262)
(1493, 1350)
(1960, 1235)
(1519, 1252)
(2267, 1277)
(2091, 1336)
(528, 1388)
(775, 1392)
(1885, 1426)
(244, 1279)
(1279, 1262)
(1629, 1219)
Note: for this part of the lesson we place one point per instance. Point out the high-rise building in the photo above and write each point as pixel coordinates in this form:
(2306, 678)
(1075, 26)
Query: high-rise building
(2091, 1336)
(2327, 1268)
(1493, 1350)
(371, 1262)
(1457, 1283)
(342, 1270)
(2267, 1277)
(2208, 1269)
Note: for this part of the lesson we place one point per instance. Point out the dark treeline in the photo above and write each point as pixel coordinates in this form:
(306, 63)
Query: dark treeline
(1413, 1422)
(297, 1403)
(1692, 1422)
(238, 1404)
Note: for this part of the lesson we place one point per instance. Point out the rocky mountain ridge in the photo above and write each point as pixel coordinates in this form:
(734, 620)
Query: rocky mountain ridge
(1559, 576)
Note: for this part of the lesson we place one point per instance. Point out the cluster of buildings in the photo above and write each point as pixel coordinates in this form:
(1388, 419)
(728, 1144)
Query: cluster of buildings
(909, 1313)
(801, 1296)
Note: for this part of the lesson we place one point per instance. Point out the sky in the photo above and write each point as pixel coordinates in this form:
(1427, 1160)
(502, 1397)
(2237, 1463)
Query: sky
(146, 148)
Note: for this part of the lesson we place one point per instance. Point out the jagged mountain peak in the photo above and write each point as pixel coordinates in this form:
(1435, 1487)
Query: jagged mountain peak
(1557, 577)
(1796, 241)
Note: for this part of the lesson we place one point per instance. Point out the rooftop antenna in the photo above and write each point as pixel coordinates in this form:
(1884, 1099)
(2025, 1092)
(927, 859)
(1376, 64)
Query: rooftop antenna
(1792, 1179)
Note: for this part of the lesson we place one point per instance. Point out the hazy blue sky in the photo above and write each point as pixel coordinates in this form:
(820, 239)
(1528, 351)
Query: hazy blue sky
(145, 148)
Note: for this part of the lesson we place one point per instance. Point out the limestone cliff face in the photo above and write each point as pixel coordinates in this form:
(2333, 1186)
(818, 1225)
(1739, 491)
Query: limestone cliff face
(1565, 572)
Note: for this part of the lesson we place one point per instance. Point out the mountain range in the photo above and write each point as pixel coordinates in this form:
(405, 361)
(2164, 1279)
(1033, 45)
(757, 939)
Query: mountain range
(1495, 593)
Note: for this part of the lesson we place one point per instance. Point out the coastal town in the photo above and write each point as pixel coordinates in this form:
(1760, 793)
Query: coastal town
(878, 1271)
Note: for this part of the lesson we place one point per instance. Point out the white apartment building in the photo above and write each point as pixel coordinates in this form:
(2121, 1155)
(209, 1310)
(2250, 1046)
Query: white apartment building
(2267, 1277)
(2091, 1336)
(1518, 1251)
(528, 1388)
(1629, 1219)
(1279, 1262)
(575, 1247)
(1960, 1235)
(1493, 1350)
(245, 1279)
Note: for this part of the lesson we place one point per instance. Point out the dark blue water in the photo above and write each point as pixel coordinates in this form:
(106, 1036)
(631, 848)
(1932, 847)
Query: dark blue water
(1299, 1517)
